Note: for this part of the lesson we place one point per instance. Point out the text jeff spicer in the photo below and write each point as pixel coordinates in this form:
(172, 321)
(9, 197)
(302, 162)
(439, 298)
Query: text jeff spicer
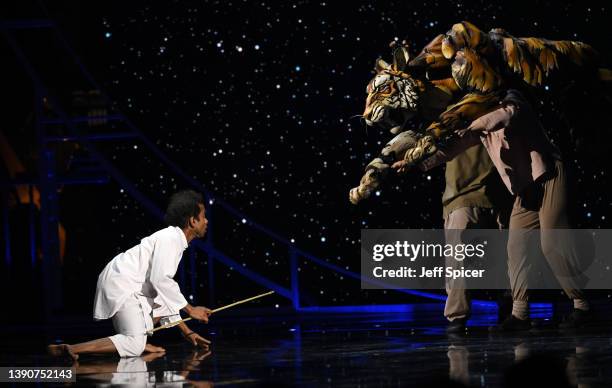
(436, 272)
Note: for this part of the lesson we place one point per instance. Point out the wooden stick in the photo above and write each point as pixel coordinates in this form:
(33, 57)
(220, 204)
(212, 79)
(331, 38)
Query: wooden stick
(172, 324)
(242, 301)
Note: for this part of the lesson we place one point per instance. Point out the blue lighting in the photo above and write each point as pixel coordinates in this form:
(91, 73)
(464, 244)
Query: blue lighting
(384, 308)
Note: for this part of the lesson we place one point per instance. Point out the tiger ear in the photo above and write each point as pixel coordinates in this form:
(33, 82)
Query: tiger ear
(380, 66)
(401, 57)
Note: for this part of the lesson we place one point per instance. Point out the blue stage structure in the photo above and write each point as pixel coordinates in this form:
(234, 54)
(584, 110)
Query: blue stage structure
(48, 186)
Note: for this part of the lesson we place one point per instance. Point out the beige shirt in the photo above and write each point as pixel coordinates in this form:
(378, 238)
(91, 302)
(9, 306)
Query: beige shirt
(514, 140)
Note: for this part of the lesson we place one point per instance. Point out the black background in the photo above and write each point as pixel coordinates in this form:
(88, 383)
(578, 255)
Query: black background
(255, 100)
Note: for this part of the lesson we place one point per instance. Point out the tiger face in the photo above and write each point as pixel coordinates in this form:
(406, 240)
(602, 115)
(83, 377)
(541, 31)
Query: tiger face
(392, 100)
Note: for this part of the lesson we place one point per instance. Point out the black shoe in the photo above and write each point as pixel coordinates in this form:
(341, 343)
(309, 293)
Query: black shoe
(512, 324)
(456, 326)
(578, 318)
(504, 306)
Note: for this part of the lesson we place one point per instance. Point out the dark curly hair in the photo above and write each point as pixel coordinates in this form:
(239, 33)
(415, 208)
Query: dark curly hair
(182, 206)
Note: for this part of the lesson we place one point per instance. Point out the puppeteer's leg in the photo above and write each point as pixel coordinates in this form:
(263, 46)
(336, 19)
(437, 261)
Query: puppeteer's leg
(457, 307)
(524, 219)
(558, 243)
(561, 248)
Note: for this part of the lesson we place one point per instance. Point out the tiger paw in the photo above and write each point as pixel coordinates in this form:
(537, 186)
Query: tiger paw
(422, 149)
(359, 193)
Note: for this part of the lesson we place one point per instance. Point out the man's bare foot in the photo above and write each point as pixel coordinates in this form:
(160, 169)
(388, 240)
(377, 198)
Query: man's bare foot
(154, 349)
(62, 350)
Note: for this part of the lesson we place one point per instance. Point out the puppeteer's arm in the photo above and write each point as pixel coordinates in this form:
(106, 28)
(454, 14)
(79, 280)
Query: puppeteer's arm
(503, 117)
(493, 121)
(448, 151)
(513, 108)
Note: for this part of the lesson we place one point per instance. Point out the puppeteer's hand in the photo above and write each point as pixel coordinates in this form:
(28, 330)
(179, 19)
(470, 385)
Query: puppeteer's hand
(200, 313)
(467, 130)
(462, 132)
(401, 166)
(197, 340)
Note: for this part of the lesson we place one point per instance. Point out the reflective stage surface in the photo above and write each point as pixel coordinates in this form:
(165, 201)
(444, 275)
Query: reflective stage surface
(359, 350)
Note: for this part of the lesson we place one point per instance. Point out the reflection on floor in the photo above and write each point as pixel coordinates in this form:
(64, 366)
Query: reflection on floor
(339, 351)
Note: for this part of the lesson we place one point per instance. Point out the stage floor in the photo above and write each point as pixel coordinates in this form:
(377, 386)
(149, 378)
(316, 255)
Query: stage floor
(357, 350)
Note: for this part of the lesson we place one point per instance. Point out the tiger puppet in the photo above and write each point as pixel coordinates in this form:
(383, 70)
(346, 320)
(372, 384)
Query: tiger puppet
(456, 78)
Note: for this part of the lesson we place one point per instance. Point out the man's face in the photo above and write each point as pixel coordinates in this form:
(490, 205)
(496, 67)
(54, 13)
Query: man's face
(200, 224)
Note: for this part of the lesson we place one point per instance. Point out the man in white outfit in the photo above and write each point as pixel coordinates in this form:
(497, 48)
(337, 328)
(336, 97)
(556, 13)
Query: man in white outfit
(137, 288)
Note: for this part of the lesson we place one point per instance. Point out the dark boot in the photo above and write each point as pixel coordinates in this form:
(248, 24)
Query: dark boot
(578, 318)
(456, 326)
(511, 324)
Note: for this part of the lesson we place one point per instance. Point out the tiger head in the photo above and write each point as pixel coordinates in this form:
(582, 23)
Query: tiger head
(392, 95)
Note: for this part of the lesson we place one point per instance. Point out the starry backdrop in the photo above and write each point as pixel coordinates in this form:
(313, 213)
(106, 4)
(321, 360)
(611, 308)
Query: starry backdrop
(258, 100)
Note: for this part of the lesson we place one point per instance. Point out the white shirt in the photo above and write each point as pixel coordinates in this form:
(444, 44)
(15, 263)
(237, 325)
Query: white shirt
(146, 270)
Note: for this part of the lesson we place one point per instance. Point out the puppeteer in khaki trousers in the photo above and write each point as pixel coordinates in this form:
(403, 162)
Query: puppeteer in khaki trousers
(474, 198)
(542, 205)
(458, 300)
(531, 169)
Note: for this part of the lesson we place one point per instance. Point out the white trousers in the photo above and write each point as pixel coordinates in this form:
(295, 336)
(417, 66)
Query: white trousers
(131, 323)
(131, 372)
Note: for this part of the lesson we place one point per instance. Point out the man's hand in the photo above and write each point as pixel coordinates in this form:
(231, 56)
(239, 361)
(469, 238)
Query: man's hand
(200, 313)
(197, 340)
(401, 166)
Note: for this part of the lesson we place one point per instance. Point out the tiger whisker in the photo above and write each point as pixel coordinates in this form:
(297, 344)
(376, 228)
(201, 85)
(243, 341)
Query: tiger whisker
(356, 116)
(365, 125)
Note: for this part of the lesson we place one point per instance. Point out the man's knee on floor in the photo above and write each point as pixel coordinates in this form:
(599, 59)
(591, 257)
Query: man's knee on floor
(130, 345)
(137, 345)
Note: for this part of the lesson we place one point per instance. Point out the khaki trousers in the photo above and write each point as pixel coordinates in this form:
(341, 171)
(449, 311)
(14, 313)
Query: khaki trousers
(458, 302)
(543, 206)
